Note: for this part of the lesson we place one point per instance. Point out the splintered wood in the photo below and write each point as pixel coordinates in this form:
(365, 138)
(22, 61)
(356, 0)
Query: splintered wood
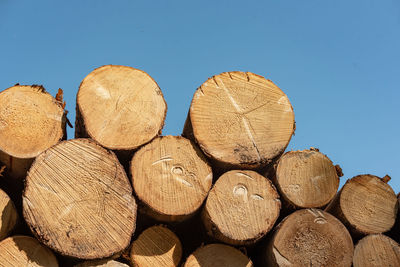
(78, 200)
(8, 215)
(240, 120)
(120, 107)
(171, 178)
(241, 207)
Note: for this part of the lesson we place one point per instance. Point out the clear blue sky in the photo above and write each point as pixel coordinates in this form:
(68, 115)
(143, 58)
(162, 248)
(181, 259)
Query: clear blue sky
(338, 61)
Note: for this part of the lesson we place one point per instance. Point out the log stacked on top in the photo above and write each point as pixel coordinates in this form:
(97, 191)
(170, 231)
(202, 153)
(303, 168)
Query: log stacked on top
(80, 205)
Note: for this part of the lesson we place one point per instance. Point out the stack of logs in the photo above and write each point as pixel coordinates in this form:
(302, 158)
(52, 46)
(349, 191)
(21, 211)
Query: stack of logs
(222, 194)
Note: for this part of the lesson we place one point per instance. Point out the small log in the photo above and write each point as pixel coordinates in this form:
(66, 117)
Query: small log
(120, 107)
(218, 255)
(366, 205)
(309, 237)
(8, 215)
(156, 246)
(78, 200)
(240, 120)
(25, 251)
(241, 208)
(102, 263)
(171, 177)
(376, 250)
(31, 120)
(306, 179)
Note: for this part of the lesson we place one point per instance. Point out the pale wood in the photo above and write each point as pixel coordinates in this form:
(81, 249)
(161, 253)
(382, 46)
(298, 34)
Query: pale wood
(171, 177)
(120, 107)
(218, 255)
(78, 200)
(376, 251)
(240, 120)
(309, 237)
(306, 179)
(25, 251)
(8, 215)
(241, 207)
(102, 263)
(156, 246)
(366, 205)
(31, 120)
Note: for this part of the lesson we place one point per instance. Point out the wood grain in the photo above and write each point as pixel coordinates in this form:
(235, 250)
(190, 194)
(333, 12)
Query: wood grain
(8, 215)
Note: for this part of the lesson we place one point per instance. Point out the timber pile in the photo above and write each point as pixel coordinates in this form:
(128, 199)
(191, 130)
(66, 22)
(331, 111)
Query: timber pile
(224, 193)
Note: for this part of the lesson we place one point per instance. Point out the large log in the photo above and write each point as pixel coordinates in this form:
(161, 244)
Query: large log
(120, 107)
(376, 251)
(366, 204)
(31, 120)
(240, 120)
(8, 215)
(241, 207)
(171, 177)
(220, 255)
(306, 179)
(309, 237)
(78, 200)
(25, 251)
(156, 246)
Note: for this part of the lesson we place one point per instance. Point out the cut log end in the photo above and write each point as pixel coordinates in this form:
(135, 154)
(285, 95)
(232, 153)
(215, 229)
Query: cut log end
(241, 207)
(115, 101)
(306, 179)
(31, 120)
(376, 250)
(156, 246)
(8, 215)
(218, 255)
(78, 200)
(224, 120)
(25, 251)
(310, 237)
(102, 263)
(171, 177)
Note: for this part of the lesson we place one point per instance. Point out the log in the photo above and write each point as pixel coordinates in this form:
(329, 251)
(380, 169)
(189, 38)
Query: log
(218, 255)
(171, 178)
(376, 250)
(366, 204)
(306, 179)
(156, 246)
(241, 208)
(240, 120)
(8, 215)
(395, 231)
(31, 120)
(120, 107)
(78, 200)
(25, 251)
(102, 263)
(309, 237)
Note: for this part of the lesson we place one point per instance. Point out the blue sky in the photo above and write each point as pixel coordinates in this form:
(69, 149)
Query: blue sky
(338, 61)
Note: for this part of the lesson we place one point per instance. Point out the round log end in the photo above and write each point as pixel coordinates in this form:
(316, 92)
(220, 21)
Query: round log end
(241, 207)
(78, 200)
(102, 263)
(156, 246)
(8, 215)
(218, 255)
(115, 101)
(225, 118)
(31, 120)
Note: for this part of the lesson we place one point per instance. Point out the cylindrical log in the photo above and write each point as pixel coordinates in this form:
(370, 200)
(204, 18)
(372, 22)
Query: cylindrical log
(120, 107)
(8, 215)
(218, 255)
(306, 179)
(156, 246)
(241, 207)
(171, 177)
(395, 231)
(25, 251)
(240, 120)
(31, 120)
(78, 200)
(309, 237)
(376, 251)
(102, 263)
(366, 204)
